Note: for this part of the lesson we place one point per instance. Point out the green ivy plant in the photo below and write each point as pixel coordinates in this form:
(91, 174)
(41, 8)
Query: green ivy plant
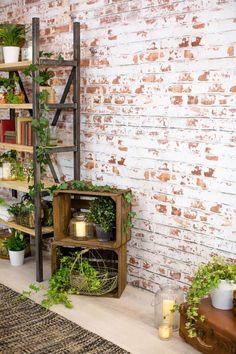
(59, 284)
(16, 167)
(206, 279)
(10, 84)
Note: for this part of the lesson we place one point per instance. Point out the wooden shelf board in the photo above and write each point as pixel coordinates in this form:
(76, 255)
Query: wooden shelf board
(21, 65)
(17, 147)
(16, 106)
(92, 242)
(26, 148)
(14, 225)
(22, 186)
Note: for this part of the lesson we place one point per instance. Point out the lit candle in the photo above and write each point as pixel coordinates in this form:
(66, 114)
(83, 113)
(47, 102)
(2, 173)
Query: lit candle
(6, 171)
(168, 316)
(165, 332)
(80, 229)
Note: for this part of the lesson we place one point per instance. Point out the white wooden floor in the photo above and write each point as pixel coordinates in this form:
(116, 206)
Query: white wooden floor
(127, 322)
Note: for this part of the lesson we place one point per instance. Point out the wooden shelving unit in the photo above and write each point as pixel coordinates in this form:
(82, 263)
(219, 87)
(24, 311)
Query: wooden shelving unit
(34, 109)
(27, 230)
(23, 186)
(64, 204)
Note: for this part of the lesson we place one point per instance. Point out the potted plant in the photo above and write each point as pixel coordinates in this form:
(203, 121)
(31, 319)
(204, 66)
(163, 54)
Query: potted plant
(11, 93)
(12, 37)
(217, 278)
(44, 76)
(102, 213)
(16, 245)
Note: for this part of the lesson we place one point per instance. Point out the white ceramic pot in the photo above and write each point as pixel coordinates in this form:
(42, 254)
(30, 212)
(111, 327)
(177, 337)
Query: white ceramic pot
(16, 257)
(11, 54)
(222, 297)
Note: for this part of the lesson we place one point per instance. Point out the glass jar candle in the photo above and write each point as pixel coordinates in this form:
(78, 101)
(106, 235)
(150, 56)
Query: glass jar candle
(165, 300)
(78, 227)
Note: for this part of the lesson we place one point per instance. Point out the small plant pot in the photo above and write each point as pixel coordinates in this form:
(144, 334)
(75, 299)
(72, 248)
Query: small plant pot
(51, 93)
(11, 54)
(222, 297)
(103, 236)
(16, 258)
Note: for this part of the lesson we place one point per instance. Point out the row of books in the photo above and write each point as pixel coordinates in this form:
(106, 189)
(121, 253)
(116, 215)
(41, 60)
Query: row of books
(18, 131)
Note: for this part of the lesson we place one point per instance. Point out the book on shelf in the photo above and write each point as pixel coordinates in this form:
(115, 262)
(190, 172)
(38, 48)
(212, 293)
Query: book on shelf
(6, 125)
(10, 137)
(24, 130)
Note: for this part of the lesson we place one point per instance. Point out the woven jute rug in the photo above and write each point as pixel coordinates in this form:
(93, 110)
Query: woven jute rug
(26, 327)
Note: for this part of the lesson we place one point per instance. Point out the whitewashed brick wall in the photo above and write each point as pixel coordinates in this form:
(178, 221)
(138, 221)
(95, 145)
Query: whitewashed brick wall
(158, 113)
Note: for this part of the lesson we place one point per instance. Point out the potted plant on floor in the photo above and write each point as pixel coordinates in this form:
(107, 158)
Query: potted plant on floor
(102, 213)
(16, 245)
(12, 37)
(217, 278)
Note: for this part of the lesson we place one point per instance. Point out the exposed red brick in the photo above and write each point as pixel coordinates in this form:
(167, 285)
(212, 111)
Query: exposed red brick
(196, 42)
(164, 177)
(204, 76)
(201, 183)
(230, 51)
(192, 100)
(199, 25)
(197, 171)
(216, 208)
(175, 211)
(176, 100)
(188, 54)
(152, 57)
(161, 208)
(209, 173)
(89, 165)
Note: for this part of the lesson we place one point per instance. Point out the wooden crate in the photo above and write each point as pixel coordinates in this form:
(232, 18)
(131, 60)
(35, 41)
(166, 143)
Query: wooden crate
(115, 258)
(216, 335)
(64, 201)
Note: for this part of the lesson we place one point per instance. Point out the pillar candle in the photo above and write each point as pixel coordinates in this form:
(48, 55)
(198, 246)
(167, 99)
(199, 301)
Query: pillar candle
(168, 316)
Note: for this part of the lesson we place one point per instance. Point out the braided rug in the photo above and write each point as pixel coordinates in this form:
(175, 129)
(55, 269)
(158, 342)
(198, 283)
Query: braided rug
(26, 327)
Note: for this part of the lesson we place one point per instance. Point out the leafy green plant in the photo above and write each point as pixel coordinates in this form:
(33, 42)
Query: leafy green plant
(102, 211)
(206, 279)
(10, 85)
(12, 35)
(59, 284)
(16, 242)
(17, 209)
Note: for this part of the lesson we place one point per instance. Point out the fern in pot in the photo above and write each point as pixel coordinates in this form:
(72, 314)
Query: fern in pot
(102, 213)
(12, 37)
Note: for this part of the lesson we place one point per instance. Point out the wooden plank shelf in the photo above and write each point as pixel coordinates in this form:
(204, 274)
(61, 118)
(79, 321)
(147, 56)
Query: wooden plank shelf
(22, 186)
(16, 106)
(16, 147)
(91, 242)
(21, 65)
(26, 148)
(14, 225)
